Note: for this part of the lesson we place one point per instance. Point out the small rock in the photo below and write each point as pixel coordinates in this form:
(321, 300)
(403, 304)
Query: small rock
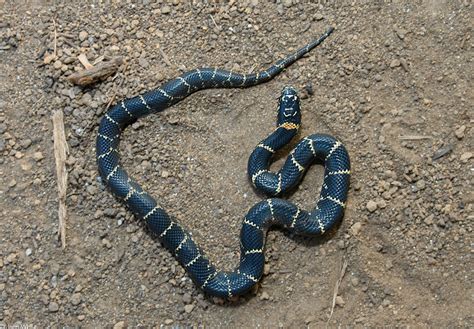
(355, 281)
(83, 35)
(53, 307)
(143, 62)
(120, 325)
(460, 132)
(25, 143)
(165, 174)
(28, 252)
(187, 299)
(38, 156)
(371, 206)
(429, 220)
(169, 321)
(318, 17)
(287, 3)
(339, 301)
(266, 269)
(355, 229)
(395, 63)
(81, 317)
(378, 77)
(189, 308)
(310, 319)
(421, 184)
(466, 156)
(264, 296)
(76, 299)
(165, 9)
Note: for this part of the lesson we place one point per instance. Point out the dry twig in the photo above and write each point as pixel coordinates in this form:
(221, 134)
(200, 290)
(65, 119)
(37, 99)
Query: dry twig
(336, 287)
(60, 153)
(165, 58)
(413, 137)
(55, 44)
(96, 73)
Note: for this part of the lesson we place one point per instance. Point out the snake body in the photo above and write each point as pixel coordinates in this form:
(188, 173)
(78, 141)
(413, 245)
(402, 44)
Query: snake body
(260, 217)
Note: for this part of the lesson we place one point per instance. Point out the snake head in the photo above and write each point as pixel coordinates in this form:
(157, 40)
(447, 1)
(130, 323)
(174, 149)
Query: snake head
(289, 107)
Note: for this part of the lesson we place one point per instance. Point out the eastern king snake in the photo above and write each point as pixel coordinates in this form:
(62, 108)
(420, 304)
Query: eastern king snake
(274, 211)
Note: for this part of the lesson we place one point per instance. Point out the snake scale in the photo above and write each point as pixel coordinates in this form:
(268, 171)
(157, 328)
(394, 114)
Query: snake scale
(273, 211)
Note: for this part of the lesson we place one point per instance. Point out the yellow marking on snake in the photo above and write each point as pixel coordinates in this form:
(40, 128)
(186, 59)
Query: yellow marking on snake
(269, 201)
(289, 125)
(214, 73)
(248, 276)
(339, 202)
(333, 149)
(193, 261)
(229, 293)
(103, 155)
(144, 103)
(111, 173)
(167, 229)
(210, 277)
(296, 163)
(246, 221)
(278, 189)
(165, 93)
(321, 226)
(253, 251)
(340, 172)
(111, 120)
(295, 217)
(266, 147)
(180, 245)
(311, 146)
(151, 212)
(258, 173)
(125, 109)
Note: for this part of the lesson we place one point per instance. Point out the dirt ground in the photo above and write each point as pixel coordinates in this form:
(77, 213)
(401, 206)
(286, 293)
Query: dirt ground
(393, 82)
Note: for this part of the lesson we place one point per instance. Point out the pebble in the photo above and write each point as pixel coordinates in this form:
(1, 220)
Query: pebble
(143, 62)
(264, 296)
(310, 319)
(165, 9)
(287, 3)
(76, 299)
(83, 35)
(460, 132)
(187, 299)
(120, 325)
(371, 206)
(466, 156)
(189, 308)
(38, 156)
(355, 228)
(53, 307)
(340, 301)
(168, 321)
(395, 63)
(421, 184)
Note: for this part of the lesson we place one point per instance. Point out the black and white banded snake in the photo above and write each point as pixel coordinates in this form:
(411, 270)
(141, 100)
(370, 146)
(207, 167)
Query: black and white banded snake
(273, 211)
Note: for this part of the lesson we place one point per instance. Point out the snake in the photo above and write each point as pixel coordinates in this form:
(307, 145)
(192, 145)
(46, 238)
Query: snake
(273, 211)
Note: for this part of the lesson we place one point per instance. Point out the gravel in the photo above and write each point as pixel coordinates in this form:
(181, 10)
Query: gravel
(389, 72)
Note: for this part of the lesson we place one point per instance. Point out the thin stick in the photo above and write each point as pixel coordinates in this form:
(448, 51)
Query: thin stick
(55, 44)
(165, 58)
(217, 26)
(413, 137)
(60, 153)
(336, 288)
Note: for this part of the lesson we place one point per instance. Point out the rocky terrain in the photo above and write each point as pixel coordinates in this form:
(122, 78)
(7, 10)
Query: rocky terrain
(393, 82)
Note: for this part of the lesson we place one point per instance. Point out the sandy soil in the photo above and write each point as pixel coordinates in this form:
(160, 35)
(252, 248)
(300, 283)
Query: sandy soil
(394, 83)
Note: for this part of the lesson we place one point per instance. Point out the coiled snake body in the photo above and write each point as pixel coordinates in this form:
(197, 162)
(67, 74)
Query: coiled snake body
(329, 208)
